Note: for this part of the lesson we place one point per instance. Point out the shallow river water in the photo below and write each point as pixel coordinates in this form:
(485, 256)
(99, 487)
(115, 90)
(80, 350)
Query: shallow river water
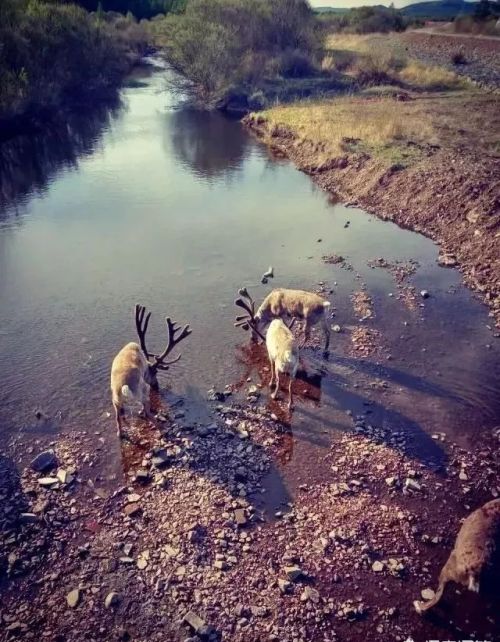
(151, 201)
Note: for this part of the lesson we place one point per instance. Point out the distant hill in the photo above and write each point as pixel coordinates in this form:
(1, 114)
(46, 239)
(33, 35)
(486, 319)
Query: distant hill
(437, 10)
(442, 10)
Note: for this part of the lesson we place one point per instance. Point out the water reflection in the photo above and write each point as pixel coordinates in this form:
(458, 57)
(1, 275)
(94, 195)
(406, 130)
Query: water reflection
(29, 163)
(208, 144)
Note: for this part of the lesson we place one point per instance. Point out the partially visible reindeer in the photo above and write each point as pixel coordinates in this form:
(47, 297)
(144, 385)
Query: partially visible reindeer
(297, 304)
(475, 558)
(281, 346)
(283, 356)
(134, 369)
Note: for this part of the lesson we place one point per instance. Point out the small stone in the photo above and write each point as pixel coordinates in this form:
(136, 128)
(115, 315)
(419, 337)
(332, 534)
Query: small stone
(293, 573)
(424, 294)
(336, 328)
(240, 516)
(112, 600)
(427, 594)
(412, 485)
(48, 481)
(131, 510)
(463, 475)
(311, 594)
(142, 476)
(133, 498)
(143, 560)
(160, 458)
(62, 475)
(28, 518)
(221, 565)
(284, 586)
(390, 481)
(46, 460)
(377, 567)
(194, 621)
(73, 598)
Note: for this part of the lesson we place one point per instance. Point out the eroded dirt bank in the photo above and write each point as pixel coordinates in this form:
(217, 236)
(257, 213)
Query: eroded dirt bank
(451, 195)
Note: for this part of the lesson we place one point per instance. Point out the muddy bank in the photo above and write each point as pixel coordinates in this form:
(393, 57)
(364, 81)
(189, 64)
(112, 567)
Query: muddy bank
(452, 198)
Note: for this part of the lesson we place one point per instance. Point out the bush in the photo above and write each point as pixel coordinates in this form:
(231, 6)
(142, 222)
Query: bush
(51, 52)
(377, 19)
(218, 44)
(458, 57)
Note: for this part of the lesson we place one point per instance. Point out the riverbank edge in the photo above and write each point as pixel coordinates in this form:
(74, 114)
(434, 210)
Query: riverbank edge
(465, 233)
(36, 117)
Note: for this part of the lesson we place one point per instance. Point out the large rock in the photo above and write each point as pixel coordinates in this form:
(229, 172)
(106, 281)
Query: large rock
(45, 461)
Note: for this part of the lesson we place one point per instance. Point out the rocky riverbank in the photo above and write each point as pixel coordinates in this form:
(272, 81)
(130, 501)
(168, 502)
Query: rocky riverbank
(184, 549)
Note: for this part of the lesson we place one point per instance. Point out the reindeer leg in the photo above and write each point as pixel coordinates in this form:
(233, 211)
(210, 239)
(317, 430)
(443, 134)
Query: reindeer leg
(118, 417)
(146, 404)
(272, 372)
(326, 331)
(290, 397)
(275, 393)
(307, 333)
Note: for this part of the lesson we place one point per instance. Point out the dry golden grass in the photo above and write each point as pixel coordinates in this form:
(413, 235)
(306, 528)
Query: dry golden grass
(376, 58)
(341, 123)
(423, 76)
(396, 132)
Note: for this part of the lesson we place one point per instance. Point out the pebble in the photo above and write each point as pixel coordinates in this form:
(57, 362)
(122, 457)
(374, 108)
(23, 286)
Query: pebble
(424, 294)
(293, 573)
(73, 598)
(311, 594)
(48, 481)
(284, 585)
(427, 594)
(112, 599)
(377, 567)
(336, 328)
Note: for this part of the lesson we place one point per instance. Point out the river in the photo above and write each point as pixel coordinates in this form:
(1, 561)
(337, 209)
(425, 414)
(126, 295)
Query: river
(154, 202)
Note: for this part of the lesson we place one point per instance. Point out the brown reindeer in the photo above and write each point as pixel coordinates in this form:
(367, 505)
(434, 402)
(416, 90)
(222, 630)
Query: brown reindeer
(475, 556)
(134, 369)
(297, 304)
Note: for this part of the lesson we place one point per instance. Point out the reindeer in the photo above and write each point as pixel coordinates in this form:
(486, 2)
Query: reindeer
(283, 355)
(475, 557)
(297, 304)
(282, 350)
(134, 369)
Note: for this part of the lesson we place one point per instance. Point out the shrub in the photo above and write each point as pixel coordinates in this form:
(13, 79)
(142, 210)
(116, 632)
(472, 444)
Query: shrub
(51, 52)
(458, 57)
(218, 44)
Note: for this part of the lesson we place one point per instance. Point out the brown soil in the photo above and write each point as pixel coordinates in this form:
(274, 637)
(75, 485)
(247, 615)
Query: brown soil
(451, 193)
(185, 539)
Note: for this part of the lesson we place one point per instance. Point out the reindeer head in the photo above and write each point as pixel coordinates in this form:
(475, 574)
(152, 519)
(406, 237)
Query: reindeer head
(157, 361)
(249, 320)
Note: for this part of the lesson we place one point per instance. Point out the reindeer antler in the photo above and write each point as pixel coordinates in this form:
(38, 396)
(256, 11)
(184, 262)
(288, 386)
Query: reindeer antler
(247, 321)
(141, 325)
(142, 322)
(173, 340)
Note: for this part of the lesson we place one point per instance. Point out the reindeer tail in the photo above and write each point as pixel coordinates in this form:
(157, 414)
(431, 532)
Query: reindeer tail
(126, 392)
(420, 607)
(326, 304)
